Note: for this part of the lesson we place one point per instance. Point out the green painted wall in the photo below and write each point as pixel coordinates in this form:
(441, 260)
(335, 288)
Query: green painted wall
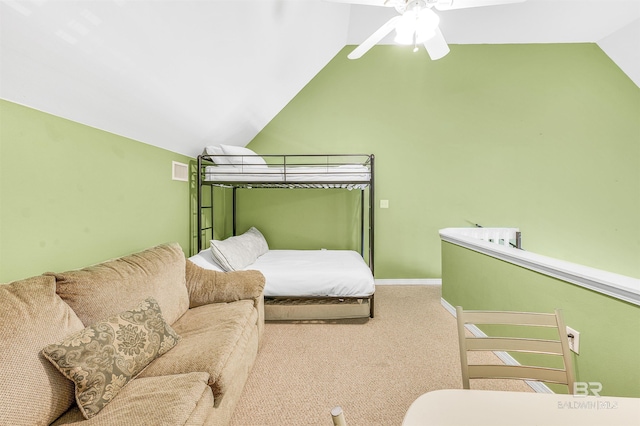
(541, 137)
(309, 229)
(72, 195)
(303, 222)
(609, 328)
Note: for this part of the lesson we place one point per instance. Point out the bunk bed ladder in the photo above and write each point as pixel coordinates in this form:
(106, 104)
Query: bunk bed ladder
(235, 200)
(201, 229)
(199, 206)
(372, 200)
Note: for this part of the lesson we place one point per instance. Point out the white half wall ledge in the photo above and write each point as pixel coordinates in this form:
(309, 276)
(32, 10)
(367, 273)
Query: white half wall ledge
(614, 285)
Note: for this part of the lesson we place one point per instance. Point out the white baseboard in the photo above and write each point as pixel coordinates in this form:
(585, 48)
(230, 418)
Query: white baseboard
(408, 281)
(504, 357)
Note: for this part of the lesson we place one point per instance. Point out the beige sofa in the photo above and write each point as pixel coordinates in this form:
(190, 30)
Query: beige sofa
(199, 329)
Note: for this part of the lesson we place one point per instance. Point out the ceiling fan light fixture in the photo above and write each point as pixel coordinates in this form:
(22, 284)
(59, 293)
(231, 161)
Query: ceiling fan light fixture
(416, 25)
(404, 35)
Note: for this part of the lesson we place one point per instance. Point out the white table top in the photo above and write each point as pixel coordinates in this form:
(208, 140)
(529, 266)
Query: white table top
(497, 408)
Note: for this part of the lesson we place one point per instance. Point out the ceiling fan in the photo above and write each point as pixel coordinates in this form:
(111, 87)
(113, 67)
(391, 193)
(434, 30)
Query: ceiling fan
(417, 23)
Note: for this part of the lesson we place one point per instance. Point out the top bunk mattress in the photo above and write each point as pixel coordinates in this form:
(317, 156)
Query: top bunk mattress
(351, 175)
(234, 166)
(307, 273)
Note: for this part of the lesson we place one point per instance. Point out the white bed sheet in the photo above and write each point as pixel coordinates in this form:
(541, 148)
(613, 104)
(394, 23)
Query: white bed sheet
(305, 273)
(252, 173)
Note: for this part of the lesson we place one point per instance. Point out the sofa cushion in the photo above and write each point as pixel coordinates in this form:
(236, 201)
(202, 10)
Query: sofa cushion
(32, 391)
(103, 358)
(212, 336)
(183, 399)
(105, 289)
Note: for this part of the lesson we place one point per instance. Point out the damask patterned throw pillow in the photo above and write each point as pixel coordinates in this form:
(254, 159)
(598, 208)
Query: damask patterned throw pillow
(103, 358)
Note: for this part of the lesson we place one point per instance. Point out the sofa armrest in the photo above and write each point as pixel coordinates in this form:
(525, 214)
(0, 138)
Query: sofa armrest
(207, 286)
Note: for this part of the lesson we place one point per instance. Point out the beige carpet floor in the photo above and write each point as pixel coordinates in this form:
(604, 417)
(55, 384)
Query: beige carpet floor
(373, 368)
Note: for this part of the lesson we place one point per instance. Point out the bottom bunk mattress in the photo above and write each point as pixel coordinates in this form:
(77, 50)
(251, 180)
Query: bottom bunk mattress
(310, 284)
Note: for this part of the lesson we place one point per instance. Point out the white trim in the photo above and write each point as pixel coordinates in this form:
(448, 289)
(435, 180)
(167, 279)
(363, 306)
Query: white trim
(448, 306)
(539, 387)
(614, 285)
(408, 281)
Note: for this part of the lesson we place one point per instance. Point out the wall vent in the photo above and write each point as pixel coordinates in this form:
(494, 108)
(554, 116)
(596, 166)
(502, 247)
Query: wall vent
(179, 171)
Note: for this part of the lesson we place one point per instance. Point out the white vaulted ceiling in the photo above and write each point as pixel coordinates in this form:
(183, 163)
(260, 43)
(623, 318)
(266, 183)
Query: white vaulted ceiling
(183, 74)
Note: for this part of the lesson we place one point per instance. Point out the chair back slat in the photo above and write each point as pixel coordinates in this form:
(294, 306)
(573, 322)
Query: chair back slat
(521, 372)
(511, 318)
(551, 347)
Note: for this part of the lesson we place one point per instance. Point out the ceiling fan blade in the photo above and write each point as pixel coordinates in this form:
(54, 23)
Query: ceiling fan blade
(374, 38)
(464, 4)
(437, 46)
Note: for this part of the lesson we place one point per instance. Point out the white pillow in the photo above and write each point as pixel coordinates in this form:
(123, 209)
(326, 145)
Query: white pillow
(253, 159)
(205, 260)
(216, 152)
(236, 253)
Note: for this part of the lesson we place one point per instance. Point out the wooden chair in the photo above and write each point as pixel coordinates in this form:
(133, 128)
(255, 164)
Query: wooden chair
(559, 347)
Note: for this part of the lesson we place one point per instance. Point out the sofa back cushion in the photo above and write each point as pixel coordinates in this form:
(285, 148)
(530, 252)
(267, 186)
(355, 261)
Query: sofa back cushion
(106, 289)
(33, 316)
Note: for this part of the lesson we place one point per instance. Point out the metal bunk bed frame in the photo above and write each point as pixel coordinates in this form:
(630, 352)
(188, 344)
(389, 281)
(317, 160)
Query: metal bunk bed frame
(207, 160)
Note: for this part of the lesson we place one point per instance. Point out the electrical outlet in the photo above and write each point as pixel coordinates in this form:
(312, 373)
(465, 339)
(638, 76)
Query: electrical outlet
(574, 339)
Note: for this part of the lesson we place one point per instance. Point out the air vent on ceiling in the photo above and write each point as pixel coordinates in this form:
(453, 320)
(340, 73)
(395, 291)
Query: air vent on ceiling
(179, 171)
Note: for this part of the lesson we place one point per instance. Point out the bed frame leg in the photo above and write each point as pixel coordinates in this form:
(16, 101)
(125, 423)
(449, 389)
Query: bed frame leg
(371, 306)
